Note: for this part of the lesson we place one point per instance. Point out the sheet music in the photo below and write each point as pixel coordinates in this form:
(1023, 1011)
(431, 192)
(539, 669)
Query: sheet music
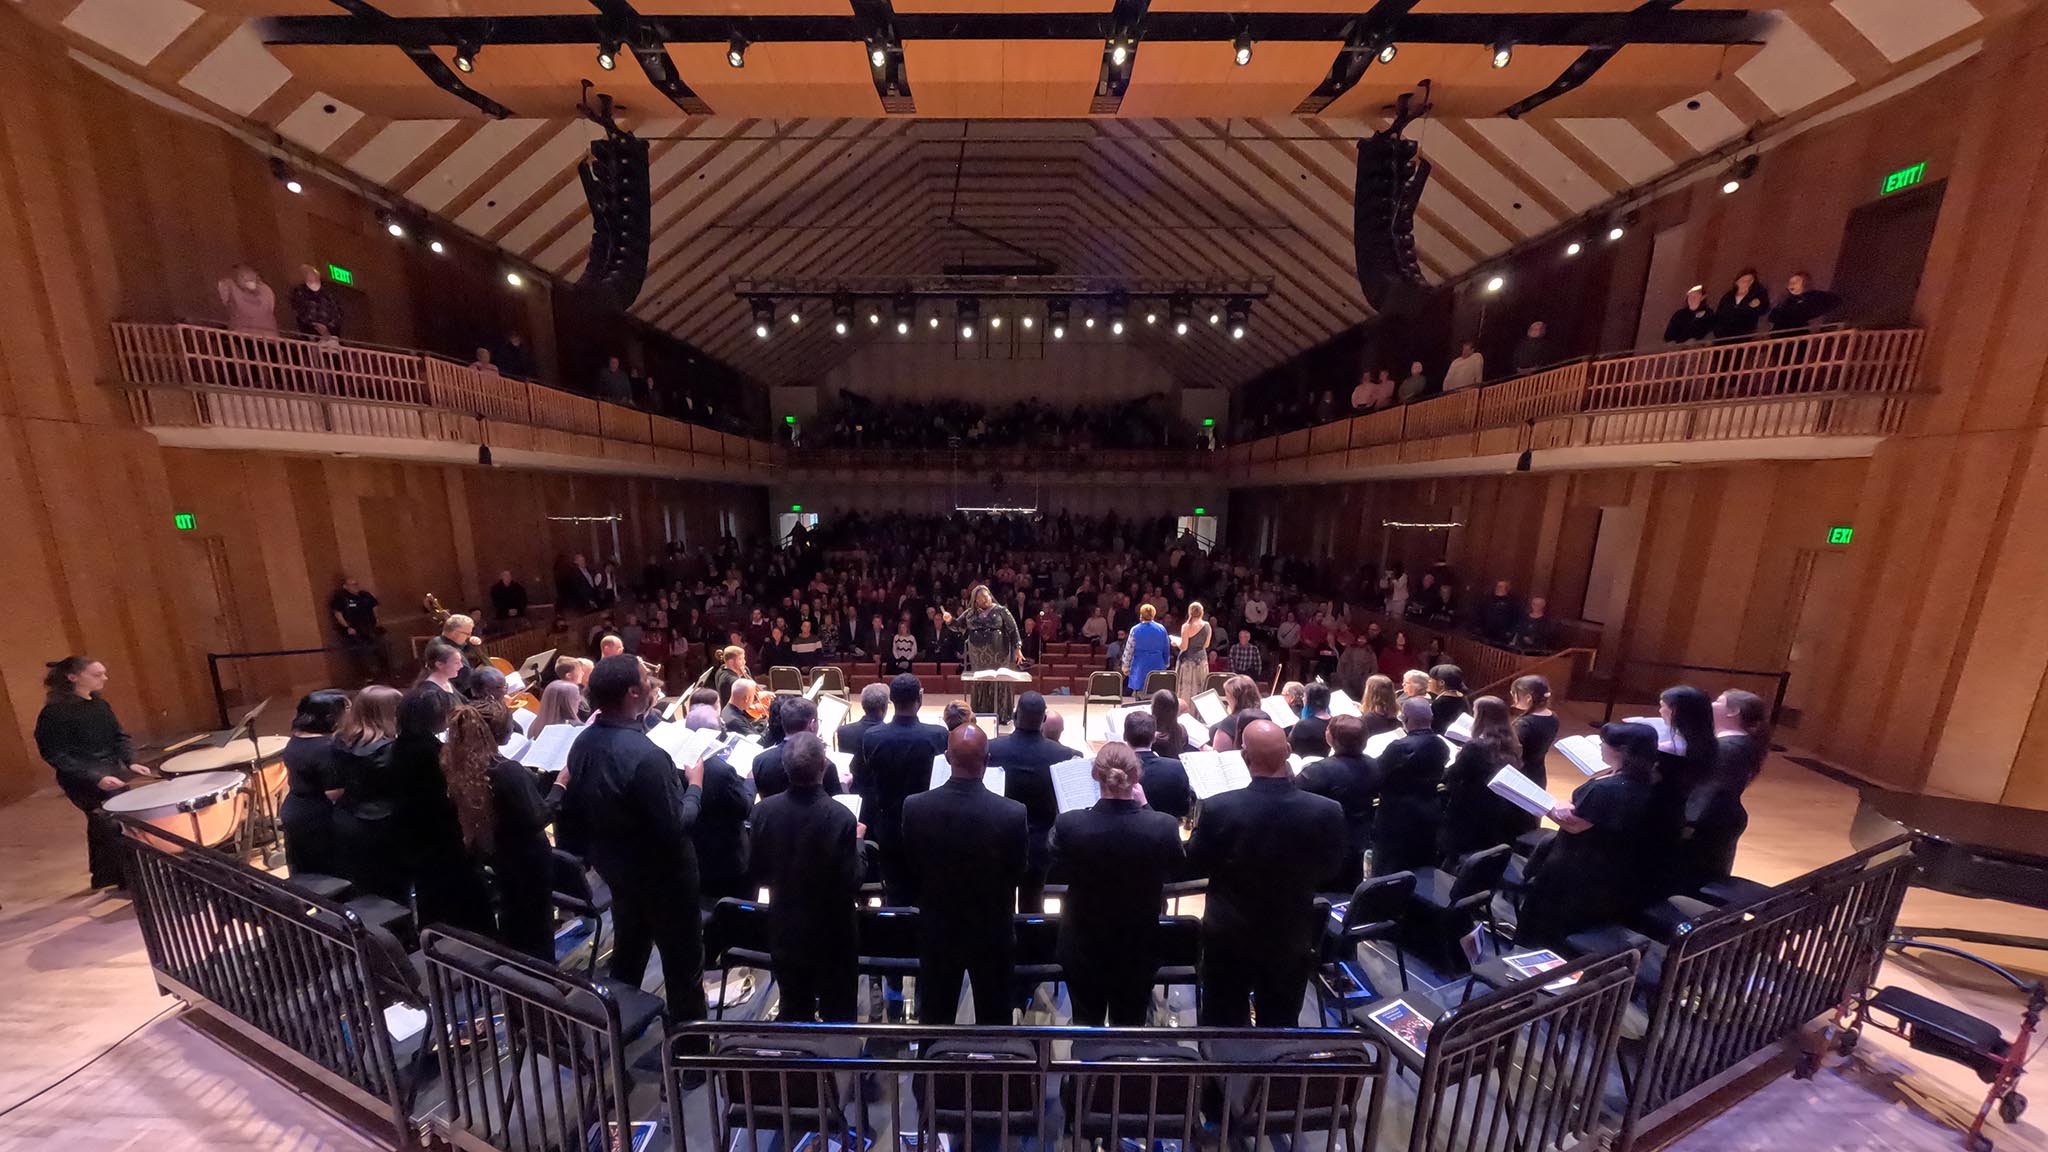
(1210, 773)
(999, 674)
(818, 682)
(551, 752)
(1342, 704)
(1667, 740)
(1296, 761)
(831, 714)
(1198, 736)
(850, 802)
(1210, 707)
(1377, 746)
(523, 718)
(1460, 729)
(992, 779)
(1584, 753)
(1280, 712)
(683, 744)
(1109, 725)
(843, 762)
(514, 745)
(1073, 783)
(1510, 785)
(741, 752)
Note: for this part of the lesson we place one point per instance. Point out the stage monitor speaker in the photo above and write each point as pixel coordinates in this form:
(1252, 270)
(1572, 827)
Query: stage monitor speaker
(615, 184)
(1391, 176)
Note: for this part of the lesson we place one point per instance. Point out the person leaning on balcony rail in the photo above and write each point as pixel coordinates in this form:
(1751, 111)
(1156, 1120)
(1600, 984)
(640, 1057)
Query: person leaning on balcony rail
(315, 310)
(1803, 305)
(1412, 385)
(1742, 308)
(1693, 321)
(1466, 371)
(250, 304)
(483, 363)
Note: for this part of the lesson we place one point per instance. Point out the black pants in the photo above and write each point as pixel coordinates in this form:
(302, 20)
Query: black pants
(650, 916)
(102, 844)
(938, 987)
(1233, 985)
(1120, 999)
(821, 988)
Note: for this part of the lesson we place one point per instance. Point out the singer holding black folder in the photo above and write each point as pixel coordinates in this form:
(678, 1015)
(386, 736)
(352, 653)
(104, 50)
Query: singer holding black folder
(1590, 873)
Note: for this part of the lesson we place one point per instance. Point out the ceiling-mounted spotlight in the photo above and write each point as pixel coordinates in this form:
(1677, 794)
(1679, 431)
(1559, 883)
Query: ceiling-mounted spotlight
(1742, 170)
(1215, 315)
(968, 313)
(465, 56)
(874, 315)
(389, 221)
(1241, 49)
(764, 317)
(878, 55)
(1239, 313)
(1178, 310)
(1026, 321)
(906, 311)
(1119, 50)
(436, 247)
(934, 320)
(842, 315)
(1616, 233)
(284, 175)
(796, 312)
(995, 322)
(736, 51)
(608, 55)
(1056, 318)
(1496, 283)
(1387, 53)
(1087, 321)
(1574, 248)
(515, 279)
(1503, 52)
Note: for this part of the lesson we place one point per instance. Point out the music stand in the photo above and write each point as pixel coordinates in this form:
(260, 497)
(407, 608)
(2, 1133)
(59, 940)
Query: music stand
(530, 670)
(1007, 682)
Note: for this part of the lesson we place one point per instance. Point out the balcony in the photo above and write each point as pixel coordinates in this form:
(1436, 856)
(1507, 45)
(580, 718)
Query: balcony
(1037, 465)
(1832, 393)
(194, 386)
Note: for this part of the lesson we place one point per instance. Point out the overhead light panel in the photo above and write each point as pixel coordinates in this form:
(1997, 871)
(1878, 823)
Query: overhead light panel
(736, 51)
(1241, 49)
(1496, 283)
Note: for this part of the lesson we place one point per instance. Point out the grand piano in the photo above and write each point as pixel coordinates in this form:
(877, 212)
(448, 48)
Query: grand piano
(1965, 848)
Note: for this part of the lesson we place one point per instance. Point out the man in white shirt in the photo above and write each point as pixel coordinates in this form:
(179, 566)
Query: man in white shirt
(1466, 371)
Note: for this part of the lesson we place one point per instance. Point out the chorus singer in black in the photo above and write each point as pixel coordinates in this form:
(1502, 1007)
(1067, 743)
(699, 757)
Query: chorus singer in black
(807, 853)
(78, 736)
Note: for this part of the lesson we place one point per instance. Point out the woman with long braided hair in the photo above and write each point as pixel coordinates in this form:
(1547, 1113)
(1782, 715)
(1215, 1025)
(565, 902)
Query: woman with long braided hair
(504, 822)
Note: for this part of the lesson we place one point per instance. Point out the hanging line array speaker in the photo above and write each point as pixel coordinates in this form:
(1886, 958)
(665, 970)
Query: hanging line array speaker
(1391, 176)
(615, 183)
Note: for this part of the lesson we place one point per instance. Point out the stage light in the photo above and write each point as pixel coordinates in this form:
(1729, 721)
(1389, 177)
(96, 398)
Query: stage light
(1388, 53)
(1026, 321)
(1152, 315)
(1615, 233)
(935, 320)
(465, 56)
(1119, 51)
(1574, 248)
(878, 56)
(1178, 309)
(285, 176)
(1088, 322)
(436, 247)
(515, 280)
(1215, 315)
(1117, 309)
(874, 315)
(842, 315)
(796, 313)
(995, 322)
(1742, 170)
(736, 51)
(906, 311)
(1730, 186)
(293, 186)
(1056, 319)
(608, 55)
(968, 312)
(1495, 283)
(389, 221)
(764, 317)
(1241, 49)
(1239, 313)
(1503, 52)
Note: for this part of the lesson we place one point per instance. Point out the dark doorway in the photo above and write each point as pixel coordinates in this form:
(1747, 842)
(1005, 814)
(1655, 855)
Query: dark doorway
(1884, 251)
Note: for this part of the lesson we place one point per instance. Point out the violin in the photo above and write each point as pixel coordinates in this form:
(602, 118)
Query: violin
(757, 708)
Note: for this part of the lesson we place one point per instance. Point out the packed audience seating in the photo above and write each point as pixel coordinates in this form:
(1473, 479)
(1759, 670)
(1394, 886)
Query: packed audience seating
(862, 422)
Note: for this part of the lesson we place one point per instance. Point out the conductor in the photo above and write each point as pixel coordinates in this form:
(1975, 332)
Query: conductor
(992, 642)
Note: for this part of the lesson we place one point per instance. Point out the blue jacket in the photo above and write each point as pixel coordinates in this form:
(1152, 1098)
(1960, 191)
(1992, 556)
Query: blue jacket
(1150, 652)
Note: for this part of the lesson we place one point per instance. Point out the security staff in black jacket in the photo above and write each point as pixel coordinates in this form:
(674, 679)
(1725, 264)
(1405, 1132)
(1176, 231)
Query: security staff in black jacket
(895, 762)
(771, 768)
(1349, 777)
(628, 812)
(720, 833)
(1264, 848)
(964, 847)
(78, 736)
(1116, 859)
(1026, 757)
(1166, 782)
(807, 854)
(1411, 810)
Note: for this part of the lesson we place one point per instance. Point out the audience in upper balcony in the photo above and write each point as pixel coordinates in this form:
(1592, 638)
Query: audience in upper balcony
(1413, 385)
(483, 363)
(248, 303)
(316, 311)
(512, 357)
(1803, 305)
(613, 385)
(1692, 322)
(1533, 350)
(862, 422)
(1467, 370)
(1743, 307)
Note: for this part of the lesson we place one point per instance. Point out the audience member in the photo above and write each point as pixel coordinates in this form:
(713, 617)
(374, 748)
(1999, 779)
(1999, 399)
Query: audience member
(1533, 350)
(1692, 322)
(1803, 305)
(248, 303)
(508, 597)
(1413, 385)
(316, 311)
(1466, 371)
(612, 385)
(1742, 308)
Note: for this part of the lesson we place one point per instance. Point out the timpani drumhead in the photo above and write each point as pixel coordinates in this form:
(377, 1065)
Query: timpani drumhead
(233, 754)
(199, 806)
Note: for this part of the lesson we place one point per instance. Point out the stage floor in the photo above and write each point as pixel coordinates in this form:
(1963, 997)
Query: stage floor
(112, 1065)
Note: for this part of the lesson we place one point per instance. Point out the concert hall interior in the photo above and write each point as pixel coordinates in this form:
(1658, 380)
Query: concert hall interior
(1459, 575)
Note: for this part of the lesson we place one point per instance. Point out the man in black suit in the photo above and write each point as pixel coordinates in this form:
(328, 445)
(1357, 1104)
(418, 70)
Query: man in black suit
(1165, 781)
(873, 638)
(1264, 848)
(1026, 757)
(1411, 809)
(874, 712)
(807, 854)
(1116, 859)
(895, 762)
(733, 717)
(629, 813)
(771, 768)
(965, 848)
(1350, 778)
(720, 832)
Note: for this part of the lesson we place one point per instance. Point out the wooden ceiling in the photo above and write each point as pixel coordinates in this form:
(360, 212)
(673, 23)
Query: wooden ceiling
(1206, 171)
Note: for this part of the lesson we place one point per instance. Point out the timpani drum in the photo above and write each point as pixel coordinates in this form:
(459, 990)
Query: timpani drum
(267, 754)
(203, 807)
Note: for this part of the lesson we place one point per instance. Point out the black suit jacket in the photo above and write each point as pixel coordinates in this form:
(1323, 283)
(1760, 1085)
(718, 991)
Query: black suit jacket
(1116, 860)
(1411, 810)
(807, 855)
(1166, 784)
(895, 762)
(1264, 848)
(628, 812)
(848, 736)
(964, 847)
(1026, 759)
(1310, 736)
(1351, 781)
(771, 774)
(720, 832)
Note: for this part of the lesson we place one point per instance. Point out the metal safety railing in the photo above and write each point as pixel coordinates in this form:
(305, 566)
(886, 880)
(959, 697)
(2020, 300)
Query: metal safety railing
(289, 970)
(769, 1085)
(1739, 984)
(1525, 1068)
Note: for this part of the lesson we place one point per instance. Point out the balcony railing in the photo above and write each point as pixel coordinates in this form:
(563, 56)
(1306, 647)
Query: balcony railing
(1837, 382)
(194, 376)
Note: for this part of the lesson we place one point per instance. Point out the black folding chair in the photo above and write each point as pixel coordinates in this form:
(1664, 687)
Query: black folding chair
(739, 930)
(574, 892)
(1373, 913)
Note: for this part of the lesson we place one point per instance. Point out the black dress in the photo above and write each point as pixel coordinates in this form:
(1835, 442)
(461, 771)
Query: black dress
(521, 858)
(1714, 816)
(80, 738)
(1444, 709)
(1475, 818)
(1310, 736)
(1376, 724)
(1536, 734)
(1582, 879)
(448, 888)
(306, 813)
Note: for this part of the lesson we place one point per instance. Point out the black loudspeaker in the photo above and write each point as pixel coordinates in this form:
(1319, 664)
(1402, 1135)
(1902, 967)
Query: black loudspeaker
(1391, 176)
(615, 184)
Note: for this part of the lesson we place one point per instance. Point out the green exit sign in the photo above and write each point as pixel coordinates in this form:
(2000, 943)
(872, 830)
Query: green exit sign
(340, 275)
(1201, 511)
(796, 507)
(1841, 534)
(1901, 180)
(1208, 421)
(789, 419)
(185, 521)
